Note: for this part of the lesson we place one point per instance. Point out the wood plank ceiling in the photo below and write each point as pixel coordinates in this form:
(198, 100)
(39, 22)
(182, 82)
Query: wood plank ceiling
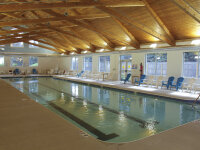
(80, 25)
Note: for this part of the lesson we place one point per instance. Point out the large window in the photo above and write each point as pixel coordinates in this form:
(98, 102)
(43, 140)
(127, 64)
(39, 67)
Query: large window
(1, 60)
(87, 64)
(104, 64)
(16, 61)
(191, 65)
(74, 64)
(34, 42)
(156, 64)
(18, 44)
(33, 61)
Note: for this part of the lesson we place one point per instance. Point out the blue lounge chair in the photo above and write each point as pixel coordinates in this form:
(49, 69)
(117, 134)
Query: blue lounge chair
(178, 83)
(141, 80)
(80, 74)
(127, 78)
(16, 71)
(34, 71)
(168, 83)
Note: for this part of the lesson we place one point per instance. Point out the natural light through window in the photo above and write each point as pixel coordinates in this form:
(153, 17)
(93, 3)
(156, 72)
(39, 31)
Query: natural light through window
(1, 60)
(33, 61)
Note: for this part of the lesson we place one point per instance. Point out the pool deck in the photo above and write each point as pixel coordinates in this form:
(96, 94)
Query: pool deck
(27, 125)
(178, 95)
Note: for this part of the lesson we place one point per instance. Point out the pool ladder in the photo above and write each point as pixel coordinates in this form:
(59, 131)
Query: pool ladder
(195, 101)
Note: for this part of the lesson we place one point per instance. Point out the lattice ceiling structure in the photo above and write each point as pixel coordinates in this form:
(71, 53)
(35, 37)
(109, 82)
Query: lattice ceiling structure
(79, 25)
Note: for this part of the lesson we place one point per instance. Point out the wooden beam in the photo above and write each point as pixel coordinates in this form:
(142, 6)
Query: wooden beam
(41, 6)
(43, 20)
(135, 24)
(110, 45)
(182, 4)
(133, 42)
(159, 21)
(51, 44)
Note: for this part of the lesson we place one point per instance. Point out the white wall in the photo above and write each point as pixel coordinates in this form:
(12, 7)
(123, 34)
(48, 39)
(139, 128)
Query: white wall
(45, 63)
(174, 61)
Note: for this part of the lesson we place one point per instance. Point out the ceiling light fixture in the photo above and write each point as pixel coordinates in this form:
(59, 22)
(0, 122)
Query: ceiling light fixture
(153, 45)
(123, 48)
(195, 42)
(101, 50)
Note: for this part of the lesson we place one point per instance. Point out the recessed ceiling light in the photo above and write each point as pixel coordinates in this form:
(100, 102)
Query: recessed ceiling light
(153, 45)
(195, 42)
(123, 48)
(101, 50)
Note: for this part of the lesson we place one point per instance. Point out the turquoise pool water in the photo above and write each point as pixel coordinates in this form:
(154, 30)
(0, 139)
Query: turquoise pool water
(107, 114)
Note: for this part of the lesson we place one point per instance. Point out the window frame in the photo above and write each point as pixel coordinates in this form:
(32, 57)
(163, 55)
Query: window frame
(105, 69)
(15, 57)
(76, 64)
(84, 62)
(197, 75)
(3, 61)
(11, 45)
(156, 73)
(30, 59)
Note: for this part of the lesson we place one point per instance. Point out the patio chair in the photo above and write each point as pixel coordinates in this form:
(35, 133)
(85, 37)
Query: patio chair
(16, 71)
(178, 83)
(168, 83)
(80, 74)
(34, 71)
(141, 80)
(190, 85)
(127, 78)
(149, 80)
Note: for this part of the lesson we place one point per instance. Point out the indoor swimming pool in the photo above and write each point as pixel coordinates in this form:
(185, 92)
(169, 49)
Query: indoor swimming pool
(107, 114)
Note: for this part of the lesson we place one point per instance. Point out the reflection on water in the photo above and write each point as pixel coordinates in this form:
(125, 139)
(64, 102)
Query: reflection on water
(131, 116)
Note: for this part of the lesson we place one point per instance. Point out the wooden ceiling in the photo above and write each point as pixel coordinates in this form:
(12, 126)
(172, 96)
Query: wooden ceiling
(88, 25)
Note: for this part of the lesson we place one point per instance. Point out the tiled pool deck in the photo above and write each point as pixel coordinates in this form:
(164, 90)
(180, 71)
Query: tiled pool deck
(27, 125)
(179, 95)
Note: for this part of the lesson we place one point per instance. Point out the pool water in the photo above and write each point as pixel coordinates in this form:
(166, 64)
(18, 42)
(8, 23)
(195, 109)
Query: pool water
(107, 114)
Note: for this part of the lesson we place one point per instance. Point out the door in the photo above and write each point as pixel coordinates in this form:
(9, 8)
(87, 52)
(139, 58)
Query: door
(125, 66)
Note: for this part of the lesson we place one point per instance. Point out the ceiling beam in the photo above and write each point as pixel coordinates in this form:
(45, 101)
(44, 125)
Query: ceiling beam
(135, 24)
(51, 44)
(42, 6)
(182, 4)
(159, 21)
(44, 20)
(108, 44)
(133, 41)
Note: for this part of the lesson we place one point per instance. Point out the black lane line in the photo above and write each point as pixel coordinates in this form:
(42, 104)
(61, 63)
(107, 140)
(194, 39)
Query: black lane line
(142, 122)
(101, 136)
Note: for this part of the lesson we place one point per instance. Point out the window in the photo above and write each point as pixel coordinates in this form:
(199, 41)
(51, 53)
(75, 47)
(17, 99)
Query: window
(18, 44)
(33, 61)
(74, 63)
(87, 64)
(1, 60)
(33, 46)
(191, 65)
(104, 64)
(16, 61)
(156, 64)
